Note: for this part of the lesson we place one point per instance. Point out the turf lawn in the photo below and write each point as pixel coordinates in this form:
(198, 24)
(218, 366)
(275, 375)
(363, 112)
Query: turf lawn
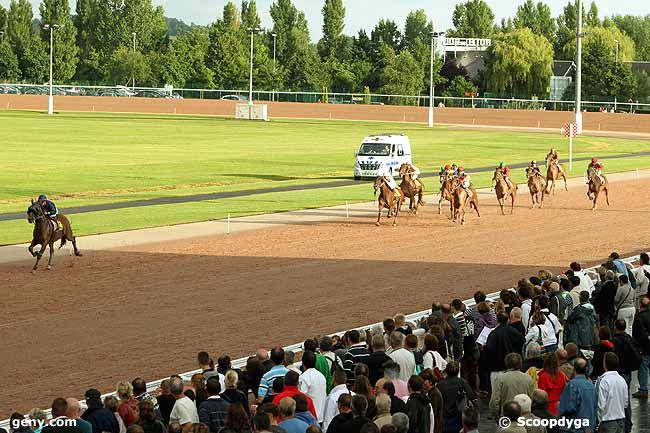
(84, 159)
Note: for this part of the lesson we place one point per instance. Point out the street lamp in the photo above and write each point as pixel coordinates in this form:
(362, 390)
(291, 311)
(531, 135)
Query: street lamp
(434, 41)
(616, 60)
(133, 74)
(275, 35)
(578, 112)
(50, 100)
(250, 77)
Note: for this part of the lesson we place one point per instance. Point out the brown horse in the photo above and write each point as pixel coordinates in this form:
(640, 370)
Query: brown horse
(411, 188)
(537, 188)
(46, 233)
(553, 173)
(460, 198)
(596, 185)
(446, 188)
(504, 192)
(387, 200)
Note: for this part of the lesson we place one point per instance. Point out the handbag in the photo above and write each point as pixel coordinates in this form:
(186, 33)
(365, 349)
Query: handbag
(535, 347)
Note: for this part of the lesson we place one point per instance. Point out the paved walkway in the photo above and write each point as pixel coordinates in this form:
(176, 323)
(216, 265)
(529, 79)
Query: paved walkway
(14, 253)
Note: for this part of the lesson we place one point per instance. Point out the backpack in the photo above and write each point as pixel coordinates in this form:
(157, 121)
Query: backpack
(561, 307)
(555, 331)
(534, 348)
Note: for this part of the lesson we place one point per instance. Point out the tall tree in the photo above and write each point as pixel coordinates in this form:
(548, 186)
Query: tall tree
(519, 64)
(250, 18)
(386, 32)
(402, 76)
(9, 69)
(333, 24)
(65, 38)
(86, 21)
(417, 28)
(294, 54)
(227, 55)
(472, 19)
(30, 51)
(591, 17)
(536, 17)
(3, 19)
(637, 28)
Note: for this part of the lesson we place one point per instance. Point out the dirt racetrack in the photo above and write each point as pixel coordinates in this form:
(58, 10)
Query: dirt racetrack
(146, 311)
(619, 122)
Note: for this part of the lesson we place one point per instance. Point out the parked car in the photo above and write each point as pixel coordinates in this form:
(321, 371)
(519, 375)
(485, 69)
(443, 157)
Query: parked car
(234, 98)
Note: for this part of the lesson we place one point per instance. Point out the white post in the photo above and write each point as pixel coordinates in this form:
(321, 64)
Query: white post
(228, 225)
(133, 76)
(274, 69)
(250, 76)
(570, 147)
(616, 96)
(347, 209)
(50, 99)
(431, 82)
(578, 112)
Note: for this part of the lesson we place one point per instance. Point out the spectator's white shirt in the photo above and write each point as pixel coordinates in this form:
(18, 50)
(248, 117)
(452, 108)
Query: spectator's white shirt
(548, 338)
(526, 306)
(612, 396)
(642, 281)
(331, 404)
(184, 411)
(585, 282)
(406, 361)
(434, 359)
(312, 383)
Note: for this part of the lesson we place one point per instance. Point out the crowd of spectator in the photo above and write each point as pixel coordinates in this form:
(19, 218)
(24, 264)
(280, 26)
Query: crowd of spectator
(555, 347)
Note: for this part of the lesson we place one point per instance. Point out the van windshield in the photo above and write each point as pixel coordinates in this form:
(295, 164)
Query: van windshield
(374, 149)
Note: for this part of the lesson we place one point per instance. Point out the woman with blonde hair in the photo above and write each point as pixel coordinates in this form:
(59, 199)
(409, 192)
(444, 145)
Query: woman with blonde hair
(128, 408)
(232, 395)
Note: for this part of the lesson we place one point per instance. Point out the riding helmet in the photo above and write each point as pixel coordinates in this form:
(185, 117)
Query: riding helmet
(594, 160)
(503, 164)
(42, 197)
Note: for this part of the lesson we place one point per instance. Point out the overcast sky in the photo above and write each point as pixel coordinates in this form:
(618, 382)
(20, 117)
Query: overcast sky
(364, 14)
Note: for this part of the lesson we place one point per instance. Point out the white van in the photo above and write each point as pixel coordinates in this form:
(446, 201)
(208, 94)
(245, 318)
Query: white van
(392, 150)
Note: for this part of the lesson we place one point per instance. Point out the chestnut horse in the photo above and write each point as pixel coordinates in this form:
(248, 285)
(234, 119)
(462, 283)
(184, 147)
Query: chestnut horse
(596, 185)
(387, 200)
(537, 188)
(460, 198)
(413, 189)
(553, 173)
(503, 192)
(46, 233)
(446, 188)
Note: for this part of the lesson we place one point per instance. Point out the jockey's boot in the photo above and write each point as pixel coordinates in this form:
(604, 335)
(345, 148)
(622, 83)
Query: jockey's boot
(509, 182)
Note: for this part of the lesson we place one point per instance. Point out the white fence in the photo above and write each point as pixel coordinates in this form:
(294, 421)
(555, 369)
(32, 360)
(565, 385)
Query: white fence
(241, 362)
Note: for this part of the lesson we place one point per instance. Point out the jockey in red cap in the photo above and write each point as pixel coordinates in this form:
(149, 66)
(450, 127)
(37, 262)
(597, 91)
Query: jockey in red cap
(596, 167)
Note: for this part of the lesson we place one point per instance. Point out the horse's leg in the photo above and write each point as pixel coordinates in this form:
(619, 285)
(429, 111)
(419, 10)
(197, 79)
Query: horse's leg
(379, 215)
(512, 204)
(541, 200)
(595, 200)
(606, 195)
(533, 196)
(74, 244)
(502, 204)
(30, 248)
(397, 206)
(566, 187)
(440, 204)
(49, 262)
(38, 256)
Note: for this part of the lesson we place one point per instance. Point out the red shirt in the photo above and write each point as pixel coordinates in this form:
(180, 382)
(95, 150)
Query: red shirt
(506, 171)
(290, 391)
(553, 386)
(129, 411)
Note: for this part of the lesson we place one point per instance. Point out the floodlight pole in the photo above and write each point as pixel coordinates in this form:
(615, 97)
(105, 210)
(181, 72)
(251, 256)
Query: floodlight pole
(250, 77)
(275, 35)
(133, 75)
(50, 99)
(616, 60)
(432, 89)
(578, 108)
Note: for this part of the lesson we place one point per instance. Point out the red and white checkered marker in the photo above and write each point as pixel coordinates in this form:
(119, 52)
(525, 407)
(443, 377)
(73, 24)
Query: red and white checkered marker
(570, 130)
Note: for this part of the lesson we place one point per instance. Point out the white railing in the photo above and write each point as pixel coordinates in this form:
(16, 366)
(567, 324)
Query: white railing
(241, 362)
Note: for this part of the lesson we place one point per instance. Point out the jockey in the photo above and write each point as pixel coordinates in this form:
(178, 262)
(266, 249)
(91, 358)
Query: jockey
(48, 207)
(454, 169)
(533, 169)
(505, 170)
(597, 167)
(553, 157)
(444, 172)
(385, 173)
(465, 181)
(415, 172)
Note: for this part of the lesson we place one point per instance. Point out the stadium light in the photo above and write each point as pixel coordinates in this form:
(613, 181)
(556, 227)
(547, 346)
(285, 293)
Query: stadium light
(50, 100)
(133, 75)
(250, 77)
(616, 61)
(580, 35)
(434, 40)
(275, 36)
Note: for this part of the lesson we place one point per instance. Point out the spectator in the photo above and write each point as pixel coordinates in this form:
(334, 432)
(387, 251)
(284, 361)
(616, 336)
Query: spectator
(261, 423)
(213, 411)
(392, 373)
(377, 359)
(334, 361)
(140, 392)
(556, 305)
(59, 411)
(396, 404)
(231, 394)
(539, 408)
(184, 411)
(312, 383)
(502, 340)
(540, 334)
(641, 333)
(17, 424)
(486, 317)
(112, 403)
(411, 343)
(552, 321)
(455, 334)
(174, 427)
(432, 358)
(362, 387)
(272, 411)
(565, 288)
(471, 419)
(585, 281)
(552, 380)
(605, 345)
(515, 320)
(252, 376)
(402, 357)
(198, 384)
(74, 412)
(383, 417)
(510, 383)
(100, 418)
(624, 301)
(224, 363)
(128, 408)
(604, 299)
(401, 325)
(612, 397)
(344, 417)
(389, 328)
(356, 353)
(435, 397)
(39, 416)
(578, 400)
(401, 422)
(622, 269)
(263, 357)
(236, 420)
(526, 302)
(359, 408)
(418, 406)
(321, 364)
(331, 403)
(207, 366)
(458, 314)
(290, 389)
(580, 325)
(302, 410)
(165, 401)
(137, 428)
(451, 387)
(512, 411)
(148, 418)
(563, 361)
(525, 403)
(276, 371)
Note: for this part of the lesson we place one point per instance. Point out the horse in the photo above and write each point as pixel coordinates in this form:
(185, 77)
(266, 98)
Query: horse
(503, 192)
(460, 198)
(595, 186)
(46, 233)
(553, 173)
(446, 189)
(387, 200)
(413, 189)
(537, 188)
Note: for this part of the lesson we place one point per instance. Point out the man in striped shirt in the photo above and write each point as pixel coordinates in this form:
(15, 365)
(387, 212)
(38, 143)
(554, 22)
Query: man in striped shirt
(356, 353)
(277, 371)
